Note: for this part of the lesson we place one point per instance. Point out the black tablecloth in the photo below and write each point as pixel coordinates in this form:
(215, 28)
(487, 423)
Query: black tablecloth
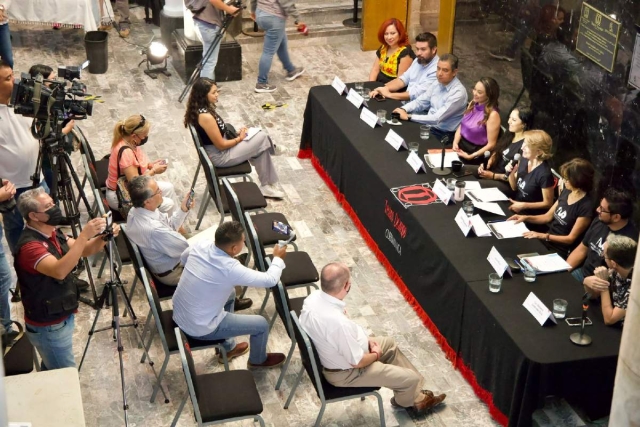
(446, 273)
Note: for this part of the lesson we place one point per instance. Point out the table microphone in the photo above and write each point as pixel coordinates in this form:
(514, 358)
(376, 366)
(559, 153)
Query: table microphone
(579, 338)
(442, 170)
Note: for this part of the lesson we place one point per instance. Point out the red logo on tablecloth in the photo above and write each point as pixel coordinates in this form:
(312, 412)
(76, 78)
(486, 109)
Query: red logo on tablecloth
(415, 195)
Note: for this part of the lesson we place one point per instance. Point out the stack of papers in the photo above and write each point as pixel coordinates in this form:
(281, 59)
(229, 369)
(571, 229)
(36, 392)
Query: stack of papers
(508, 229)
(543, 264)
(494, 208)
(433, 158)
(486, 195)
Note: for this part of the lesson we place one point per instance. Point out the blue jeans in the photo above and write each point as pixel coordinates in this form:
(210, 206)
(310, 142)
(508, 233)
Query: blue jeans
(578, 274)
(275, 42)
(208, 33)
(234, 325)
(5, 45)
(5, 285)
(54, 343)
(13, 222)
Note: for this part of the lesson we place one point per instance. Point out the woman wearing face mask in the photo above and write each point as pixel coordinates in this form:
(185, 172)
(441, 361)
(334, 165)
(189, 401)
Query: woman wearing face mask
(133, 133)
(395, 55)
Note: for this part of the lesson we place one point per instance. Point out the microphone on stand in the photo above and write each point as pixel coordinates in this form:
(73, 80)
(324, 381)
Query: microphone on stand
(510, 165)
(579, 338)
(442, 170)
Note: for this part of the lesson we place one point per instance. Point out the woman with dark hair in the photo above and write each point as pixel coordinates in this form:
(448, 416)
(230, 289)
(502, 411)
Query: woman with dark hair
(394, 55)
(571, 214)
(502, 160)
(224, 147)
(478, 132)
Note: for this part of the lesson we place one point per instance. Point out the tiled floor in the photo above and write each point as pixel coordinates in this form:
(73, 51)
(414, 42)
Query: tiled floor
(325, 232)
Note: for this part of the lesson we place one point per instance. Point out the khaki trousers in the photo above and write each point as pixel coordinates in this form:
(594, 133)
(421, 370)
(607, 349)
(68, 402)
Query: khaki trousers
(393, 371)
(172, 278)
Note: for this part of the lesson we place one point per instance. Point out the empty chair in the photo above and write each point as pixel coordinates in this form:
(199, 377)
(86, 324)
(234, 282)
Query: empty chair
(217, 397)
(326, 392)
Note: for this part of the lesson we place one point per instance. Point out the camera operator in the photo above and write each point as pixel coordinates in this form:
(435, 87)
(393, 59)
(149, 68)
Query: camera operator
(18, 153)
(7, 191)
(45, 258)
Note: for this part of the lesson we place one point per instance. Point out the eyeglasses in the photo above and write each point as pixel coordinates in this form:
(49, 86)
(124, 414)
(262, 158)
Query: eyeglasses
(601, 209)
(143, 121)
(155, 194)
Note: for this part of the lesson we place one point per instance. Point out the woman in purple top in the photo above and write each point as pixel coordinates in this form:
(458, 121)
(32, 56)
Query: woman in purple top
(478, 132)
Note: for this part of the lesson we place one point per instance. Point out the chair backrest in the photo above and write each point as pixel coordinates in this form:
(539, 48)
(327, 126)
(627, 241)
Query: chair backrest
(308, 354)
(257, 249)
(281, 299)
(235, 207)
(195, 136)
(134, 252)
(154, 304)
(189, 369)
(85, 148)
(212, 178)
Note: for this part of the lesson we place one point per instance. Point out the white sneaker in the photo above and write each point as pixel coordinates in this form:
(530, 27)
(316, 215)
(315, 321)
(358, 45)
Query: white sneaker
(271, 192)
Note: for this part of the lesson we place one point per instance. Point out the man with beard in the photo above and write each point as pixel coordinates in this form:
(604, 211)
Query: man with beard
(419, 77)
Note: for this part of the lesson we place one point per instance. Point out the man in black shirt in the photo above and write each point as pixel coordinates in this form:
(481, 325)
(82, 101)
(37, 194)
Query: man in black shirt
(614, 212)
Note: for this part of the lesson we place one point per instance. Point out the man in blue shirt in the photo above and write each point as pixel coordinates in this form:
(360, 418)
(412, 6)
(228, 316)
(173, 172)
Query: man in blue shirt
(419, 77)
(443, 105)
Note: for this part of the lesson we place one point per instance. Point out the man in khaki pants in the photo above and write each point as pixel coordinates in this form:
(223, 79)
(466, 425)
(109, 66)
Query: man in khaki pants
(351, 359)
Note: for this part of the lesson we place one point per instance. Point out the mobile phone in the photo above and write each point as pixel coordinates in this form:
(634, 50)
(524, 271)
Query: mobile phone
(577, 321)
(281, 227)
(164, 161)
(379, 98)
(462, 174)
(190, 198)
(109, 219)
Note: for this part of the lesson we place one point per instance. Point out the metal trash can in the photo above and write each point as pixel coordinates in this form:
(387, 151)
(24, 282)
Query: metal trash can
(97, 47)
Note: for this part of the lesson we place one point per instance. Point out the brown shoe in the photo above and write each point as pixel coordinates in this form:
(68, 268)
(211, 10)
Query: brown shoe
(427, 393)
(242, 304)
(240, 349)
(124, 32)
(273, 361)
(429, 402)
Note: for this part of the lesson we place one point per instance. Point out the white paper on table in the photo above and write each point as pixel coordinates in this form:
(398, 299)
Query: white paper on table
(415, 162)
(338, 85)
(463, 221)
(252, 132)
(494, 208)
(395, 140)
(538, 310)
(355, 98)
(549, 263)
(508, 229)
(479, 227)
(472, 185)
(369, 117)
(433, 160)
(487, 195)
(498, 263)
(442, 192)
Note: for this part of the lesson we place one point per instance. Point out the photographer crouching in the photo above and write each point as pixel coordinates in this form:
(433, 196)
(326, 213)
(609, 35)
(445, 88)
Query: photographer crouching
(45, 258)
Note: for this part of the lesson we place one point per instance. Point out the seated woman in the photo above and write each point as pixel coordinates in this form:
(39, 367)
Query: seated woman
(571, 214)
(224, 148)
(478, 132)
(532, 178)
(502, 160)
(133, 132)
(395, 55)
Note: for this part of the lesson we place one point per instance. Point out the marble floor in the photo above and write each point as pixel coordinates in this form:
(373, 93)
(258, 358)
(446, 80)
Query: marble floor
(324, 231)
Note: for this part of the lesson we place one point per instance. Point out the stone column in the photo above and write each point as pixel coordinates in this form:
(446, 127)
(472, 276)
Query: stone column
(625, 408)
(422, 16)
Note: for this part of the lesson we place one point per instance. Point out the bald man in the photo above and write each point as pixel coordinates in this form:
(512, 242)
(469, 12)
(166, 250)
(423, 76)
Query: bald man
(350, 358)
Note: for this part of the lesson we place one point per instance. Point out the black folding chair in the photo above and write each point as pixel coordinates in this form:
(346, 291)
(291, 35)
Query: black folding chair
(217, 397)
(326, 392)
(122, 254)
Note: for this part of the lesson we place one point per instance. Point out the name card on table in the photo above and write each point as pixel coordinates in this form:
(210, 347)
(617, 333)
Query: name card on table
(498, 262)
(369, 117)
(443, 193)
(414, 161)
(463, 222)
(338, 85)
(538, 310)
(395, 140)
(355, 98)
(479, 227)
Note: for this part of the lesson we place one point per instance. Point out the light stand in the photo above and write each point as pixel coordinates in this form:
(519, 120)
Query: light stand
(111, 290)
(205, 57)
(353, 22)
(156, 54)
(442, 171)
(579, 338)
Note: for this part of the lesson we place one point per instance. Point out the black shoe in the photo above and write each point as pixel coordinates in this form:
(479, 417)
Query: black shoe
(82, 285)
(15, 295)
(242, 304)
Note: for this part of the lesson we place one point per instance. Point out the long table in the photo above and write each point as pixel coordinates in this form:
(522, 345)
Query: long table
(509, 359)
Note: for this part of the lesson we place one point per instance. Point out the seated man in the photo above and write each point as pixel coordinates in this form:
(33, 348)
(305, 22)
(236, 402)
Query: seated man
(349, 358)
(614, 284)
(420, 75)
(615, 209)
(45, 258)
(155, 233)
(203, 302)
(442, 105)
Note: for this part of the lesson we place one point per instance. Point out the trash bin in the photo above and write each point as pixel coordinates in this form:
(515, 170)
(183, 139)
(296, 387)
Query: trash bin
(97, 48)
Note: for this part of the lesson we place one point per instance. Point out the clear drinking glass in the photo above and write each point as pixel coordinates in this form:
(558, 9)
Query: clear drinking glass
(359, 87)
(495, 282)
(451, 184)
(425, 131)
(559, 308)
(529, 275)
(382, 116)
(467, 207)
(414, 146)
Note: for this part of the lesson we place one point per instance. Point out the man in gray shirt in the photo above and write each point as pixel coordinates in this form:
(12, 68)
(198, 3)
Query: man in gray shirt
(203, 301)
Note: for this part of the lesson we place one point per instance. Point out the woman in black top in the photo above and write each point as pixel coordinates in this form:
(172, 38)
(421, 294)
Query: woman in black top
(532, 179)
(502, 160)
(571, 214)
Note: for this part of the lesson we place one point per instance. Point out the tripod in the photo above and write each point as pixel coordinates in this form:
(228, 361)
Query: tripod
(216, 41)
(111, 290)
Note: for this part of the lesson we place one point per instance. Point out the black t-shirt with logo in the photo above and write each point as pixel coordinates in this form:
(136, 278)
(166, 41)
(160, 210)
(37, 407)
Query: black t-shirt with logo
(594, 241)
(507, 156)
(530, 184)
(566, 215)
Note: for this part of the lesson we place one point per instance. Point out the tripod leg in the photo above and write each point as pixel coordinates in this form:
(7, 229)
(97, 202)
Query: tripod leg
(99, 306)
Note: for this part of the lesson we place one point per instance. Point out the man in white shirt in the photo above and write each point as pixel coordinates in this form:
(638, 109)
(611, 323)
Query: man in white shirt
(203, 301)
(155, 233)
(351, 359)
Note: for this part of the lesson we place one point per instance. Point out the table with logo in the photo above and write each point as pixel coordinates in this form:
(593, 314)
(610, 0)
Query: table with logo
(510, 360)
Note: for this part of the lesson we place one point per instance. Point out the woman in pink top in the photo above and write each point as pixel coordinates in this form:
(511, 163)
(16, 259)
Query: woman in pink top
(133, 133)
(478, 132)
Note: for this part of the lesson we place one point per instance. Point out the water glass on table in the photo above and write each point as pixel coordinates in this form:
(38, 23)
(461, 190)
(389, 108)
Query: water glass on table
(382, 116)
(359, 87)
(495, 282)
(425, 131)
(467, 207)
(559, 308)
(451, 184)
(414, 146)
(529, 275)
